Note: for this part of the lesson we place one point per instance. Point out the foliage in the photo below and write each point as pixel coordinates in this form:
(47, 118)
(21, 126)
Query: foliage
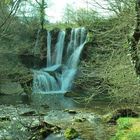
(124, 123)
(80, 17)
(109, 33)
(128, 129)
(71, 133)
(120, 73)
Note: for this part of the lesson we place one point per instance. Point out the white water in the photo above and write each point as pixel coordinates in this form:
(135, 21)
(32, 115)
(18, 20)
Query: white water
(59, 47)
(59, 74)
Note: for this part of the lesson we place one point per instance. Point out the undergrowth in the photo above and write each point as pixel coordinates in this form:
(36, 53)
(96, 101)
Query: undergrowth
(119, 71)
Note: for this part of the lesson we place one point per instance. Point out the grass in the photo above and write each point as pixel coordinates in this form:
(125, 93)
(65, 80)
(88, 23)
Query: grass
(127, 129)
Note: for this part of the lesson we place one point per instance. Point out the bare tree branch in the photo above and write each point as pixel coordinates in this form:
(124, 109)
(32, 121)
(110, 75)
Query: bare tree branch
(135, 40)
(13, 11)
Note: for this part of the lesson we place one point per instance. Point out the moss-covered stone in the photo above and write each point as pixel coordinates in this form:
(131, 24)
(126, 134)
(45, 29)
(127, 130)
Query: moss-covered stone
(41, 129)
(127, 129)
(9, 87)
(70, 133)
(115, 115)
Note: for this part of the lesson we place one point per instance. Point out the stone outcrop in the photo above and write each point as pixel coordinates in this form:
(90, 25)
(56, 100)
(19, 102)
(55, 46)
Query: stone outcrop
(9, 87)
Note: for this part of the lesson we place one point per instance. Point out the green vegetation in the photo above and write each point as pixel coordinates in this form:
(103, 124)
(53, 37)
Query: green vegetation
(120, 73)
(71, 133)
(128, 129)
(109, 70)
(124, 123)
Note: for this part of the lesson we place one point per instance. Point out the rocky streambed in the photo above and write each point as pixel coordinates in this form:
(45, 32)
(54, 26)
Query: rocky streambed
(58, 118)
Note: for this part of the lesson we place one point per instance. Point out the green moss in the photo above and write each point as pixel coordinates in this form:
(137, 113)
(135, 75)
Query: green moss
(118, 135)
(70, 133)
(89, 37)
(124, 135)
(134, 136)
(128, 129)
(107, 117)
(124, 123)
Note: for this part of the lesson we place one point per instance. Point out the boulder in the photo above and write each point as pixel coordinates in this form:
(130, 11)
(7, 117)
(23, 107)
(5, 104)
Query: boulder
(9, 87)
(112, 118)
(55, 68)
(41, 129)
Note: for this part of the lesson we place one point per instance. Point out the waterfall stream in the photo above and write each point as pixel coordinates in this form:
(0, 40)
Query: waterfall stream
(58, 75)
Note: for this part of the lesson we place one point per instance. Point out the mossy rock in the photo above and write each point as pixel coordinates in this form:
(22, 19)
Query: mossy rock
(9, 87)
(127, 129)
(41, 129)
(70, 133)
(107, 117)
(115, 115)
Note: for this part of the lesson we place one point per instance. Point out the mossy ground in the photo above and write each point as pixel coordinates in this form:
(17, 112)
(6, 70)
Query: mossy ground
(127, 129)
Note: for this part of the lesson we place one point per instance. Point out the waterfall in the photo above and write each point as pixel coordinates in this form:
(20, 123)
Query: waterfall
(58, 75)
(59, 47)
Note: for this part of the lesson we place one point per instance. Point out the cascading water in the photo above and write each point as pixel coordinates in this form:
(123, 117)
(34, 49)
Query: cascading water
(59, 74)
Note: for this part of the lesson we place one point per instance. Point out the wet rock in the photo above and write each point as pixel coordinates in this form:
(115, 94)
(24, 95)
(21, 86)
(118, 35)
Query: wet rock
(56, 68)
(80, 119)
(25, 98)
(70, 133)
(45, 106)
(5, 118)
(54, 34)
(53, 70)
(70, 111)
(42, 129)
(28, 113)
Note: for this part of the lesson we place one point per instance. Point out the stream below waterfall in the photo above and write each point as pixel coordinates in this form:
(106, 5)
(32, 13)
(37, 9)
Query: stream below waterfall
(55, 109)
(59, 111)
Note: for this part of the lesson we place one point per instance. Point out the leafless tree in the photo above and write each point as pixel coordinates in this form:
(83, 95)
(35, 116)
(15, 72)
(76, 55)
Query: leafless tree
(135, 40)
(7, 12)
(42, 6)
